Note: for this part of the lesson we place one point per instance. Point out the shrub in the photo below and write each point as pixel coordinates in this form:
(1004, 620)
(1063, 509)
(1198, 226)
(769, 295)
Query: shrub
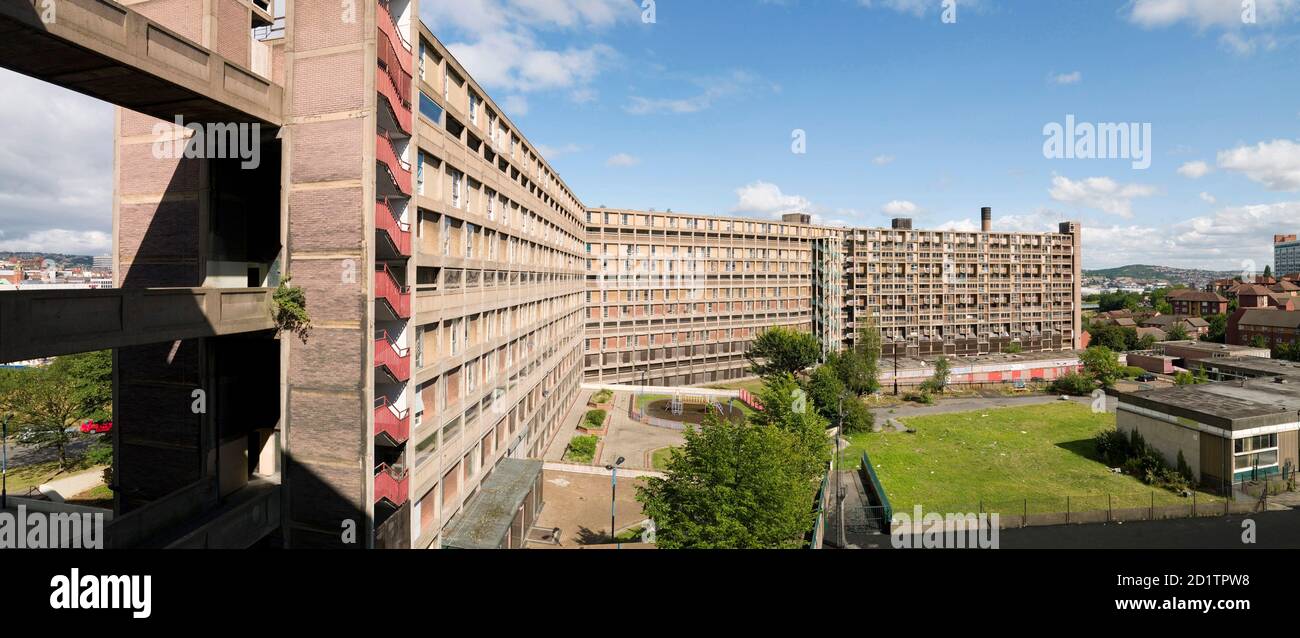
(99, 453)
(1136, 458)
(289, 309)
(1074, 384)
(602, 397)
(923, 397)
(582, 449)
(1133, 372)
(594, 420)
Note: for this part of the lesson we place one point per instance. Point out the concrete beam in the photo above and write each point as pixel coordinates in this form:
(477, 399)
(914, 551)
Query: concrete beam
(46, 323)
(110, 52)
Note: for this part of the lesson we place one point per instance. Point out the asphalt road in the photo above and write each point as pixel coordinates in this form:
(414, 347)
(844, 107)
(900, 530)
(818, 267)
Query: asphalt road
(20, 455)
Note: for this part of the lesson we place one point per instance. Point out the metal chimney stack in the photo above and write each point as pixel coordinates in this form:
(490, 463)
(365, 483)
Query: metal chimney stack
(986, 219)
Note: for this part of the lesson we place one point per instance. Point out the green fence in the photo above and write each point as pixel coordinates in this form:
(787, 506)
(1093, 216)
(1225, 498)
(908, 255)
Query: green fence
(877, 493)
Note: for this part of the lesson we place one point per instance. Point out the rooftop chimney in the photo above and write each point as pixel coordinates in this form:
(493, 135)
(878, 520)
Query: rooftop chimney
(986, 219)
(902, 223)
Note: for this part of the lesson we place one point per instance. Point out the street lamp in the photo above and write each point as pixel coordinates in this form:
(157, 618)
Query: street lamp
(839, 472)
(613, 498)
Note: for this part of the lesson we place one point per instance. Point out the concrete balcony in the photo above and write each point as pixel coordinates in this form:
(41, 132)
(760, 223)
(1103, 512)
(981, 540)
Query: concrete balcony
(47, 323)
(108, 51)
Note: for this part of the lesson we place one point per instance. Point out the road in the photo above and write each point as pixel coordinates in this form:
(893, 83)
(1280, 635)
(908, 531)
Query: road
(20, 455)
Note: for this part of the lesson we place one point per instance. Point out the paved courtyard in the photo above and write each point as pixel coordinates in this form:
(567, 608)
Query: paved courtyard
(578, 504)
(632, 440)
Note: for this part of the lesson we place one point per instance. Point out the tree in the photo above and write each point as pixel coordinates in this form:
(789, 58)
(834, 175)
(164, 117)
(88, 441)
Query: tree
(1112, 336)
(782, 351)
(46, 406)
(1268, 272)
(1101, 364)
(785, 407)
(91, 376)
(835, 403)
(939, 380)
(1218, 330)
(1258, 341)
(1177, 332)
(739, 485)
(859, 366)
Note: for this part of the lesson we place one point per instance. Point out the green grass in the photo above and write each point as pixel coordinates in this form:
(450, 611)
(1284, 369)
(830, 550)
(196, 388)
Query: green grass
(582, 449)
(1000, 457)
(753, 385)
(19, 479)
(659, 458)
(646, 399)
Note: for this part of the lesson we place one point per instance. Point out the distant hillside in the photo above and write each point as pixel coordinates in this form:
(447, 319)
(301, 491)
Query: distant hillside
(1142, 272)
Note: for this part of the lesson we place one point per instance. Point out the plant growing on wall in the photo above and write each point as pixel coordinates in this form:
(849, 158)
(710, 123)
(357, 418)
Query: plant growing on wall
(289, 309)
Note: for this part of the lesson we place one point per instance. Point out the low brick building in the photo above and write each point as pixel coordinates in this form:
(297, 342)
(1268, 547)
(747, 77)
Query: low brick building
(1274, 325)
(1197, 303)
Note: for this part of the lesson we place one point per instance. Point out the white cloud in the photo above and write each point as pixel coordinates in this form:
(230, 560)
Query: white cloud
(1073, 77)
(918, 8)
(711, 90)
(551, 152)
(1208, 198)
(56, 168)
(501, 48)
(1224, 240)
(1274, 164)
(60, 240)
(1208, 13)
(900, 207)
(766, 198)
(1100, 193)
(515, 105)
(882, 160)
(1194, 170)
(622, 160)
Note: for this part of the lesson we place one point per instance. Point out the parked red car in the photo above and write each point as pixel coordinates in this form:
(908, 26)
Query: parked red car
(96, 427)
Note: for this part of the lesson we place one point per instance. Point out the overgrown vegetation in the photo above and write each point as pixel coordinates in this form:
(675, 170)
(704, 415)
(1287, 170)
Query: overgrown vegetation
(1074, 384)
(582, 449)
(602, 397)
(594, 419)
(1133, 455)
(289, 309)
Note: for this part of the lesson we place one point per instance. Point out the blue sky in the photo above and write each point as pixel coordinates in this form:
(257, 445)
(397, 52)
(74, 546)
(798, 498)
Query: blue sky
(904, 115)
(908, 115)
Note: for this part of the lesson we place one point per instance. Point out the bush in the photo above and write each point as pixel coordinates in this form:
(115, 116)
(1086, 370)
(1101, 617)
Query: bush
(857, 418)
(1136, 458)
(594, 420)
(1133, 372)
(582, 449)
(1074, 384)
(99, 453)
(923, 397)
(601, 397)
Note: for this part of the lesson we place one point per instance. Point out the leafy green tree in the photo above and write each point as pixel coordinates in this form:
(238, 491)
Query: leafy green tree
(1111, 336)
(782, 351)
(1268, 272)
(828, 394)
(938, 382)
(1100, 363)
(1218, 330)
(91, 376)
(1258, 341)
(786, 407)
(732, 486)
(46, 406)
(1177, 332)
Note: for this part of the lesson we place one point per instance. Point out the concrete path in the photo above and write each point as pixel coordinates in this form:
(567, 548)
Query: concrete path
(568, 429)
(60, 490)
(946, 406)
(633, 440)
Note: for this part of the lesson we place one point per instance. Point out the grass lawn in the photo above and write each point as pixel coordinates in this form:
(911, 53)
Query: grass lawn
(1000, 457)
(753, 385)
(646, 399)
(659, 458)
(19, 479)
(98, 496)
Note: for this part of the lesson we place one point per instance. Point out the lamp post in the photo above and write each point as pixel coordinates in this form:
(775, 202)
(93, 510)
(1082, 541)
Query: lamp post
(613, 499)
(839, 472)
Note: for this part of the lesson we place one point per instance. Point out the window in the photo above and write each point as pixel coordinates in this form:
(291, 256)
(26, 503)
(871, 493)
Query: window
(456, 179)
(1256, 452)
(430, 109)
(473, 108)
(419, 173)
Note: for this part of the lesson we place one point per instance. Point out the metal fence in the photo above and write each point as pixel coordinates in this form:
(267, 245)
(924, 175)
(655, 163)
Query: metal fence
(880, 508)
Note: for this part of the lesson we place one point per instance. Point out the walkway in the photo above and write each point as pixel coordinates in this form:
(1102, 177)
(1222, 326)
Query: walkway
(633, 440)
(568, 429)
(60, 490)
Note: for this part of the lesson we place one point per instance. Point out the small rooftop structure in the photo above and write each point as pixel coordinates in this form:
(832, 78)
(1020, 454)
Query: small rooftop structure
(487, 521)
(1230, 405)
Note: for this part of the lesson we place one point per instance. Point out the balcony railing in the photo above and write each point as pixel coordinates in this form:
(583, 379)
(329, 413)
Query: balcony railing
(401, 108)
(388, 24)
(392, 359)
(397, 297)
(399, 232)
(398, 169)
(391, 484)
(390, 421)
